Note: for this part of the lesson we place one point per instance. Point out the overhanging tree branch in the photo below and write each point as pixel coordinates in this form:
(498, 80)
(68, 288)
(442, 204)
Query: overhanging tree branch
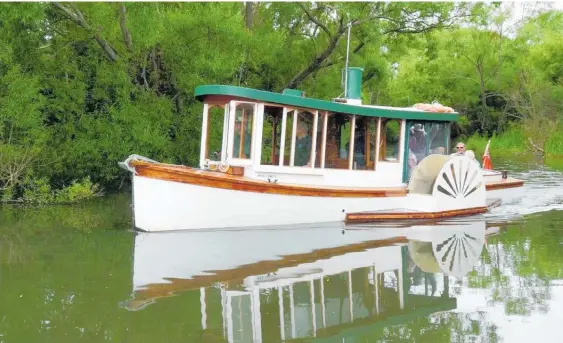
(407, 23)
(74, 14)
(313, 19)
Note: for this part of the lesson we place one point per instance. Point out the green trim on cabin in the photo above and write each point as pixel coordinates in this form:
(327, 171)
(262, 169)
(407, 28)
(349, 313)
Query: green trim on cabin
(316, 104)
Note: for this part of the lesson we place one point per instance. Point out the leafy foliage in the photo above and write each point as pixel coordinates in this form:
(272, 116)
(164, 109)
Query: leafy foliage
(83, 85)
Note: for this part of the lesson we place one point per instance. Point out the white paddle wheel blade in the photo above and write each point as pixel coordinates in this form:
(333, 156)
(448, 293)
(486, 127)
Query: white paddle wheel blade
(460, 179)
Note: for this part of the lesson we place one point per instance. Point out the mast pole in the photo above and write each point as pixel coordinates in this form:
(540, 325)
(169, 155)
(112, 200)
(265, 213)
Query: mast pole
(346, 69)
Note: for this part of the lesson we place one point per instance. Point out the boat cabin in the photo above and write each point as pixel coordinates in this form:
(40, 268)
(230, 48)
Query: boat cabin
(289, 138)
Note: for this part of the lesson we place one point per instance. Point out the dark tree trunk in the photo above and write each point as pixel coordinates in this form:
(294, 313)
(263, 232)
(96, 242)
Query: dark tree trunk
(248, 14)
(124, 30)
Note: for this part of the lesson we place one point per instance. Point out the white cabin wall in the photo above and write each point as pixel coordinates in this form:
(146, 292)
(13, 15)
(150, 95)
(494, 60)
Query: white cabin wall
(387, 174)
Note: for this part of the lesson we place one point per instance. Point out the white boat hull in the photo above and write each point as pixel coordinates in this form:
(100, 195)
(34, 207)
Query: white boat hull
(179, 198)
(166, 205)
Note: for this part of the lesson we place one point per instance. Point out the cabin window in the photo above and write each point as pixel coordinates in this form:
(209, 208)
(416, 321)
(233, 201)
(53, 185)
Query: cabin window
(364, 143)
(439, 138)
(215, 125)
(418, 141)
(390, 136)
(302, 147)
(321, 134)
(288, 137)
(242, 144)
(298, 142)
(425, 138)
(271, 135)
(337, 148)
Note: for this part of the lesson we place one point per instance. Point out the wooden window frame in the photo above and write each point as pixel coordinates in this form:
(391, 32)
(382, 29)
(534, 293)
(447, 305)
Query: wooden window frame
(382, 139)
(205, 129)
(370, 164)
(325, 134)
(367, 133)
(231, 132)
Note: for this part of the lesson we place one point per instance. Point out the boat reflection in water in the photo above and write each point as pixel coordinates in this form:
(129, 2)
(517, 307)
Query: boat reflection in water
(311, 283)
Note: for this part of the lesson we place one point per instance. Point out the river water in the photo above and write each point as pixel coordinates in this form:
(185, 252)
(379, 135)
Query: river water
(80, 274)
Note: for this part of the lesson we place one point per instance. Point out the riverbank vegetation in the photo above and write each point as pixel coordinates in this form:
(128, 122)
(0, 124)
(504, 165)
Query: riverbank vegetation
(84, 85)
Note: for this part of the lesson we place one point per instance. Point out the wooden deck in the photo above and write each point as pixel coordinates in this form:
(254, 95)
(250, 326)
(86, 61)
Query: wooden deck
(240, 183)
(217, 179)
(503, 184)
(406, 214)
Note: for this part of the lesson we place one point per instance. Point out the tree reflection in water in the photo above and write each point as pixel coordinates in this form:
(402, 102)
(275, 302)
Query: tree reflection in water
(64, 271)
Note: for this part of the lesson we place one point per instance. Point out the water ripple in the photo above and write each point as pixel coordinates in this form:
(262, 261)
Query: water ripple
(543, 191)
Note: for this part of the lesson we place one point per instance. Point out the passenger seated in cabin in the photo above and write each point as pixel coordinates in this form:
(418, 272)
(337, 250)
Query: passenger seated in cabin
(418, 141)
(359, 150)
(439, 150)
(412, 162)
(302, 145)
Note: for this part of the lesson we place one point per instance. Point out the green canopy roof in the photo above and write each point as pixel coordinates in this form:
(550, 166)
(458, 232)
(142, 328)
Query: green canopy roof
(293, 99)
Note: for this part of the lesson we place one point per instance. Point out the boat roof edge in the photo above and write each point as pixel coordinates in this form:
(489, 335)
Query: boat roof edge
(316, 104)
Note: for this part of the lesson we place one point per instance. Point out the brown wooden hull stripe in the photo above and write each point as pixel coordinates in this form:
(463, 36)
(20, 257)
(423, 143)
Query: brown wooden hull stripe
(363, 217)
(503, 184)
(240, 183)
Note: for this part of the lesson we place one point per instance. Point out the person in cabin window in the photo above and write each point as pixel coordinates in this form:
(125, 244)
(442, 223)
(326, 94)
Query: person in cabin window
(360, 145)
(247, 138)
(302, 145)
(412, 162)
(418, 138)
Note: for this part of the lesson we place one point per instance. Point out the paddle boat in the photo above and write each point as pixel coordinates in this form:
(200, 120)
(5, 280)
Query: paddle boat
(316, 283)
(282, 159)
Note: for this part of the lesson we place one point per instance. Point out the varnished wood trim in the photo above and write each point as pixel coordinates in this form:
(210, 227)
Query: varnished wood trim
(506, 183)
(225, 181)
(362, 217)
(235, 171)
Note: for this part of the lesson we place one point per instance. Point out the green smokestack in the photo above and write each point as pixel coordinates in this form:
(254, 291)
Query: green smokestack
(354, 83)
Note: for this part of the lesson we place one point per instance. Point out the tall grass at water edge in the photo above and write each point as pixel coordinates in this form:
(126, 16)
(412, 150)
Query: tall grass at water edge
(510, 142)
(513, 142)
